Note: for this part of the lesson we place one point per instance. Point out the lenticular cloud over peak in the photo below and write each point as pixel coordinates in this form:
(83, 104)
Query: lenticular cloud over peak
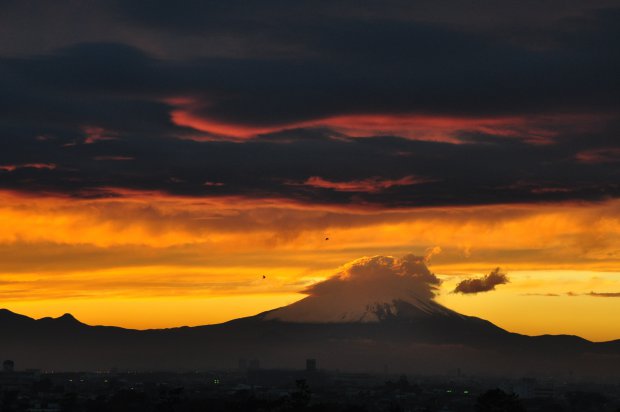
(369, 289)
(371, 275)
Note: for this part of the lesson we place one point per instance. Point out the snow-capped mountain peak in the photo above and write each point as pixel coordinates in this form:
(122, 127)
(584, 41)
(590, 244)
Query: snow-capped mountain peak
(368, 290)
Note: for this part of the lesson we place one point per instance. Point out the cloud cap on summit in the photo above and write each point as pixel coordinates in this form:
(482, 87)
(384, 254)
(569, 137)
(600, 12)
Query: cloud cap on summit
(365, 289)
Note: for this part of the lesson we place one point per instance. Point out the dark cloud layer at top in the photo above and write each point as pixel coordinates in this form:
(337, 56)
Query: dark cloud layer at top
(357, 68)
(95, 96)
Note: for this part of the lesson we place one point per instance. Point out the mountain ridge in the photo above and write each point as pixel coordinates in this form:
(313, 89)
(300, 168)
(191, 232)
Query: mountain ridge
(8, 314)
(421, 344)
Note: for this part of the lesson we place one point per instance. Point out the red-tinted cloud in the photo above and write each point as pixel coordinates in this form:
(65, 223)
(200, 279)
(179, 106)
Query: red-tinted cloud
(13, 167)
(371, 185)
(412, 126)
(602, 155)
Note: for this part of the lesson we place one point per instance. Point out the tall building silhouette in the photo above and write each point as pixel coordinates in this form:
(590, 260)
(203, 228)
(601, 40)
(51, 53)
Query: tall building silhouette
(310, 365)
(8, 366)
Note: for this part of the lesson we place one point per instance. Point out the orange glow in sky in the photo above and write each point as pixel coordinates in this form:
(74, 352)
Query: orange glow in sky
(154, 260)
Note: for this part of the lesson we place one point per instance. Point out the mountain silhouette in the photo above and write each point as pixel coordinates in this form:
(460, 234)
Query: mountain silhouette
(377, 311)
(437, 342)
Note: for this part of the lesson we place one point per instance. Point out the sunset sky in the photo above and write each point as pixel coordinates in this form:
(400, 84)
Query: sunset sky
(158, 159)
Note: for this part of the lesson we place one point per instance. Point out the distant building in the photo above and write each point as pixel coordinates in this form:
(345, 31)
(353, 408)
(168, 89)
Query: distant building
(8, 366)
(532, 388)
(16, 381)
(243, 365)
(254, 364)
(310, 365)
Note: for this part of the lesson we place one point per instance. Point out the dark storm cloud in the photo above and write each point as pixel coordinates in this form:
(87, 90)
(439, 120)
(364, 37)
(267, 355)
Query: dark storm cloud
(484, 284)
(354, 67)
(273, 16)
(341, 62)
(94, 96)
